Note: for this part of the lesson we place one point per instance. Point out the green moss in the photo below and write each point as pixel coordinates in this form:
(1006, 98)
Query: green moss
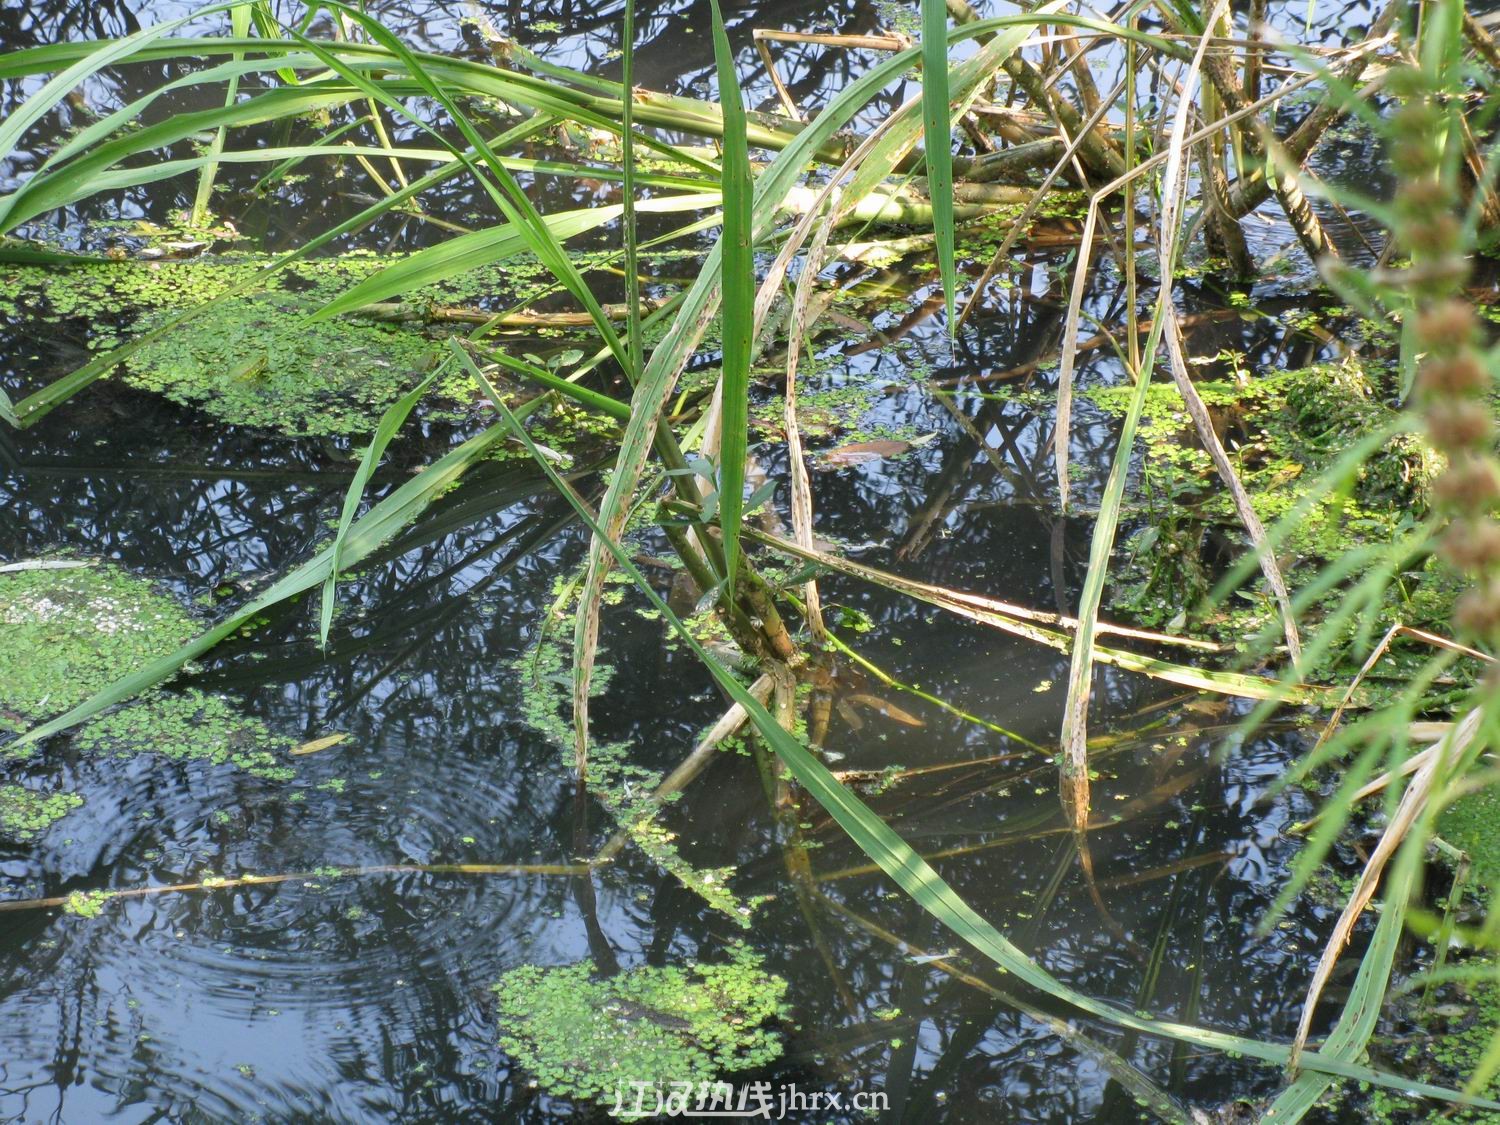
(67, 634)
(835, 413)
(25, 814)
(583, 1038)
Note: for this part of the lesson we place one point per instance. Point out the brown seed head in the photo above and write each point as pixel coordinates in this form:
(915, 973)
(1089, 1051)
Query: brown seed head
(1418, 118)
(1459, 423)
(1422, 196)
(1432, 236)
(1471, 484)
(1446, 325)
(1471, 545)
(1478, 612)
(1460, 374)
(1412, 156)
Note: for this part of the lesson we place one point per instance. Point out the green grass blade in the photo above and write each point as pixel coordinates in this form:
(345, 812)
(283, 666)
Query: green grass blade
(99, 130)
(737, 314)
(1075, 771)
(43, 193)
(93, 59)
(1357, 1020)
(467, 252)
(635, 343)
(390, 422)
(514, 202)
(909, 870)
(594, 400)
(938, 142)
(41, 402)
(239, 19)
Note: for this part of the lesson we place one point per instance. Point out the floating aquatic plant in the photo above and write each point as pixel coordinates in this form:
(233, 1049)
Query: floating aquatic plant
(64, 634)
(69, 632)
(258, 362)
(25, 813)
(582, 1036)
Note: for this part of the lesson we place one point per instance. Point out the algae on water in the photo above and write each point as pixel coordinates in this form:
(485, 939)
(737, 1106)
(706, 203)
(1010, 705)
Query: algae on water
(190, 726)
(1472, 824)
(256, 359)
(1453, 1041)
(66, 634)
(585, 1037)
(624, 788)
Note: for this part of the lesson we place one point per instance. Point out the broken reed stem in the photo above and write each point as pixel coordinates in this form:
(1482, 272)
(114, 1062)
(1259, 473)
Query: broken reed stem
(1073, 780)
(216, 884)
(801, 484)
(1413, 801)
(1198, 411)
(1002, 253)
(946, 598)
(891, 682)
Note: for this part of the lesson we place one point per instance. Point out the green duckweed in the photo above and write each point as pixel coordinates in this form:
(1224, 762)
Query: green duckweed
(260, 362)
(25, 814)
(583, 1037)
(69, 633)
(86, 904)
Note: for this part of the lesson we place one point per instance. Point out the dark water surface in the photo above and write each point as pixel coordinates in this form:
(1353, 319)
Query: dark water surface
(366, 999)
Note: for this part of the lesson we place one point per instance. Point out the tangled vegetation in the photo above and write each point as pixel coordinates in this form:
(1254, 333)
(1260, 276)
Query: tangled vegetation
(1319, 537)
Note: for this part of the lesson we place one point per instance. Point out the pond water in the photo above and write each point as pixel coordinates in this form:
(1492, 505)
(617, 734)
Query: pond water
(368, 997)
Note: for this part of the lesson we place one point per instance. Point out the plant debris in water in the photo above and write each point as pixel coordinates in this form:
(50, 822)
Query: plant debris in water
(1283, 430)
(583, 1037)
(624, 788)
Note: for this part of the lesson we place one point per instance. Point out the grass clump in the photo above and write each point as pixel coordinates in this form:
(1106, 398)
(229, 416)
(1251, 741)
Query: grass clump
(25, 814)
(584, 1038)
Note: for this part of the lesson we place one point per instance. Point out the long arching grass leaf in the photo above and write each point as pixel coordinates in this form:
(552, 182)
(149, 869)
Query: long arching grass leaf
(737, 316)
